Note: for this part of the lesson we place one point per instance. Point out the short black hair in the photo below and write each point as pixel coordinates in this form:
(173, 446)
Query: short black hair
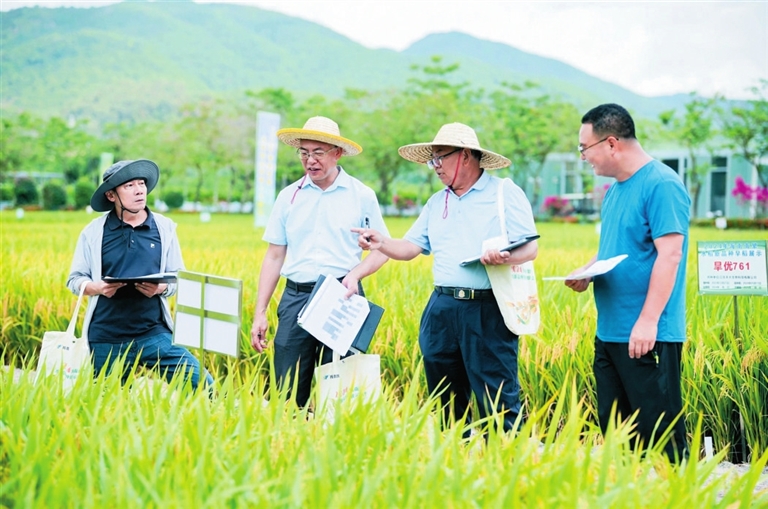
(610, 120)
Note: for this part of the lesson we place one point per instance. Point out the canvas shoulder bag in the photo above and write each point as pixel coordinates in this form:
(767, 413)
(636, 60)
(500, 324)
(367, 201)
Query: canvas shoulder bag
(514, 286)
(62, 354)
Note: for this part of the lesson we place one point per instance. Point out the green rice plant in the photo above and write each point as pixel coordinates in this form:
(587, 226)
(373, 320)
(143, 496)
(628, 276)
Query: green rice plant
(154, 444)
(723, 372)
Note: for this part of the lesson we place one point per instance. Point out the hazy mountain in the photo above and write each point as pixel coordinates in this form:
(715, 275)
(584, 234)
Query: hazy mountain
(131, 60)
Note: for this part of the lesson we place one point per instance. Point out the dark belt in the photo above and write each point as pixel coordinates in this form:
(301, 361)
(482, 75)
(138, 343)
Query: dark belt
(302, 287)
(299, 287)
(465, 293)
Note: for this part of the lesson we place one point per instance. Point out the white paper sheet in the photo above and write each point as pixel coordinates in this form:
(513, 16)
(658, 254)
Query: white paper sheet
(597, 268)
(332, 319)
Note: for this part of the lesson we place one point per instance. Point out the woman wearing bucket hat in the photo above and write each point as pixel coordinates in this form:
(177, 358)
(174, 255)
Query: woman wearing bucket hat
(465, 344)
(309, 234)
(129, 241)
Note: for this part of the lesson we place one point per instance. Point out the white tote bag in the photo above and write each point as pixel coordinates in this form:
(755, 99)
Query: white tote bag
(514, 286)
(356, 378)
(63, 353)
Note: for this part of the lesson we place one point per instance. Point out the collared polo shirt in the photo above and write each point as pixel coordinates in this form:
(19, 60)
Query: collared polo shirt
(128, 251)
(471, 219)
(316, 227)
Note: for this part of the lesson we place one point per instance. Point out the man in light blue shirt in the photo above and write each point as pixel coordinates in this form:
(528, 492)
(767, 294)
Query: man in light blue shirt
(309, 234)
(466, 346)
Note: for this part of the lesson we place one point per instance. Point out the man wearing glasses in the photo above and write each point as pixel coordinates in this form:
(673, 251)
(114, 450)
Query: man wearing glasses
(641, 302)
(309, 234)
(466, 346)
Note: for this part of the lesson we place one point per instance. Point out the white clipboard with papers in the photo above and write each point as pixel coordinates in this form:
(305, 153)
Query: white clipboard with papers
(333, 319)
(597, 268)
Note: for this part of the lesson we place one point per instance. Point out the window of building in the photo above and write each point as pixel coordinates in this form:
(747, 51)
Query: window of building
(673, 163)
(717, 185)
(571, 182)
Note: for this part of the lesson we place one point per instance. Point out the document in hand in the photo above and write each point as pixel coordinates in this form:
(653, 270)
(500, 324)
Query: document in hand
(160, 277)
(597, 268)
(337, 322)
(511, 247)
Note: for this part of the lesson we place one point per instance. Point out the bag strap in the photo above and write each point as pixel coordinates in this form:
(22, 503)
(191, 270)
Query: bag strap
(500, 204)
(73, 321)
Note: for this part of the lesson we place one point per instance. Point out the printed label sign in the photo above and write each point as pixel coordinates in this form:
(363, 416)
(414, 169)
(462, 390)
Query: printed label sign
(733, 267)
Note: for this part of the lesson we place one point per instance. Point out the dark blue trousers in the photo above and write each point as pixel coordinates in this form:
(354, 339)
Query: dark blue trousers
(468, 350)
(297, 352)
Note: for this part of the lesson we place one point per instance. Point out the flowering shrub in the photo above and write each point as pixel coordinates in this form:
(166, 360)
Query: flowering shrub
(745, 193)
(556, 206)
(402, 202)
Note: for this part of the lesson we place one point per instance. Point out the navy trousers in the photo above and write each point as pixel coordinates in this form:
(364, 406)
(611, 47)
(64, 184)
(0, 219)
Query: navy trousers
(297, 352)
(468, 350)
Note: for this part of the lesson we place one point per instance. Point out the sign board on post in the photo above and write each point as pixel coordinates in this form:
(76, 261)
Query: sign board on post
(208, 313)
(733, 267)
(267, 125)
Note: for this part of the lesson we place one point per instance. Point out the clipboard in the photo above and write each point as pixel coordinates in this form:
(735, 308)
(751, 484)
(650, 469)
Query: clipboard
(518, 243)
(362, 340)
(163, 277)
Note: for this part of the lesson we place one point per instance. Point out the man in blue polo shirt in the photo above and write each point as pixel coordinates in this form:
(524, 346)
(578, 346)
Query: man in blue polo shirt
(309, 234)
(130, 241)
(466, 346)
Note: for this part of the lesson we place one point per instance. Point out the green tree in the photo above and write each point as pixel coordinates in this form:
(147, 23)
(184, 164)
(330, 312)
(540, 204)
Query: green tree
(388, 120)
(526, 126)
(84, 189)
(25, 192)
(746, 128)
(54, 195)
(173, 198)
(694, 130)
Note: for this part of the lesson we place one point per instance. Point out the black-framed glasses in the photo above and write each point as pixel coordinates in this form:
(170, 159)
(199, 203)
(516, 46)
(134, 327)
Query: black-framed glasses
(437, 161)
(317, 153)
(584, 149)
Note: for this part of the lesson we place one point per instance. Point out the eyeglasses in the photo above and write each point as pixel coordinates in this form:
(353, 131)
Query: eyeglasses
(437, 161)
(584, 149)
(317, 154)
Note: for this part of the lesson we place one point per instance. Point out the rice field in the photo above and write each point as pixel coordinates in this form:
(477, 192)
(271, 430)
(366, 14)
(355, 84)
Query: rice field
(150, 445)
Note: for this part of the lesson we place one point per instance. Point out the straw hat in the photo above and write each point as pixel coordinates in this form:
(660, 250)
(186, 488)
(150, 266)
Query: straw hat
(454, 135)
(319, 129)
(120, 173)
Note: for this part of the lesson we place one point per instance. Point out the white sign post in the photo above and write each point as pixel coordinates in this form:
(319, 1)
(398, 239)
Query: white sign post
(733, 268)
(267, 125)
(208, 313)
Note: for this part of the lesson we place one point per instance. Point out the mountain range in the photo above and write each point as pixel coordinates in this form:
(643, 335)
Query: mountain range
(137, 60)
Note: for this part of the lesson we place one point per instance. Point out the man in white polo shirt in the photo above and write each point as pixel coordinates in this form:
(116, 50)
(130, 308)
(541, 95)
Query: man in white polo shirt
(309, 234)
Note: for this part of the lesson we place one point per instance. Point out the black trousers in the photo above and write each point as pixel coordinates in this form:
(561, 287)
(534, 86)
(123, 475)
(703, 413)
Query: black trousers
(649, 385)
(297, 352)
(468, 350)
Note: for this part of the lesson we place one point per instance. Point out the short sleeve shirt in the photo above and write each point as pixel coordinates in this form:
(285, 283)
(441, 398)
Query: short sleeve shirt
(316, 226)
(650, 204)
(453, 228)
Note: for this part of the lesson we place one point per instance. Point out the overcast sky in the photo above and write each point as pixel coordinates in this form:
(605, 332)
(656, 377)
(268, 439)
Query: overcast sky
(651, 47)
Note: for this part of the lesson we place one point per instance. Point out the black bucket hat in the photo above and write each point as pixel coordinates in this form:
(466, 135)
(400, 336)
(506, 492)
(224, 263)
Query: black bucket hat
(120, 173)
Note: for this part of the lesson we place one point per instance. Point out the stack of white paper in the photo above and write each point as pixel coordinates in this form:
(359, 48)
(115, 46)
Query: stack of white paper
(332, 319)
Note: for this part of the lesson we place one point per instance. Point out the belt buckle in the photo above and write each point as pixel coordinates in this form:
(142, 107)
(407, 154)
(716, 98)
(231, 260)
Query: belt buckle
(463, 293)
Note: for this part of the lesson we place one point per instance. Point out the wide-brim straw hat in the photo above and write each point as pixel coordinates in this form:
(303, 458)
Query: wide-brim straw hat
(319, 129)
(120, 173)
(454, 135)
